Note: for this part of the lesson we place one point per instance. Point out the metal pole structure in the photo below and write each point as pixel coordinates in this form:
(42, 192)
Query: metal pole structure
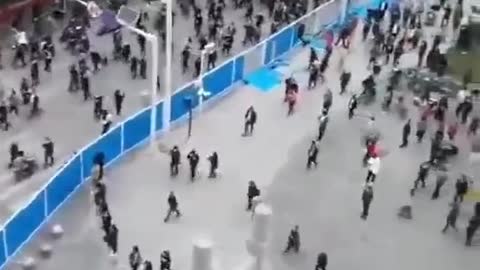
(153, 94)
(153, 118)
(168, 67)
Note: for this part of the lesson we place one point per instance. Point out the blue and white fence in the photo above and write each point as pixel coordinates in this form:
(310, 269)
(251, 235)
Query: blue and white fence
(131, 133)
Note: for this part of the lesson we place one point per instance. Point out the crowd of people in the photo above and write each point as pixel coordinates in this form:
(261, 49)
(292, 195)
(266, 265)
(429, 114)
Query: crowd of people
(30, 51)
(390, 33)
(402, 32)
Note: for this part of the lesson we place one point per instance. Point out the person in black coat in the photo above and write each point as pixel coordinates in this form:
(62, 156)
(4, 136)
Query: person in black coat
(422, 175)
(165, 260)
(344, 80)
(143, 68)
(312, 155)
(172, 206)
(147, 265)
(461, 188)
(452, 217)
(100, 193)
(352, 106)
(213, 159)
(175, 158)
(48, 150)
(250, 120)
(119, 96)
(106, 222)
(293, 241)
(99, 160)
(112, 238)
(134, 67)
(367, 197)
(14, 153)
(135, 258)
(405, 133)
(193, 159)
(252, 192)
(322, 261)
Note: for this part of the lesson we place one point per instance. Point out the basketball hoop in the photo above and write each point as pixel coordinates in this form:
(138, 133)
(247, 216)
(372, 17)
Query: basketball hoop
(93, 9)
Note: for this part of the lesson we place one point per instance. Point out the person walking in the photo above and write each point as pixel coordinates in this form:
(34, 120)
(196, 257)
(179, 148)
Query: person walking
(165, 260)
(312, 155)
(442, 177)
(452, 217)
(175, 158)
(322, 261)
(252, 192)
(461, 188)
(352, 106)
(119, 96)
(135, 259)
(112, 238)
(405, 133)
(172, 207)
(193, 160)
(367, 197)
(250, 120)
(373, 164)
(323, 119)
(213, 159)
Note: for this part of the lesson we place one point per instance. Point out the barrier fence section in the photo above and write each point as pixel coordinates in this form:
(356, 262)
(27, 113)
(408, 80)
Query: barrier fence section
(135, 130)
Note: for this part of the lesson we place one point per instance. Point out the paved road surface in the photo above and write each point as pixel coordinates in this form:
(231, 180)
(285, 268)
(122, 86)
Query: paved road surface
(68, 120)
(325, 202)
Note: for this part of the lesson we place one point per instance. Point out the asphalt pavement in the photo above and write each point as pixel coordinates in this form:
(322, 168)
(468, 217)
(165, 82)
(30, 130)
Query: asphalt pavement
(67, 119)
(325, 202)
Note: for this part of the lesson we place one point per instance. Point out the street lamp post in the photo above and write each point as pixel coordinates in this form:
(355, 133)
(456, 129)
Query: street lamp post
(168, 67)
(128, 17)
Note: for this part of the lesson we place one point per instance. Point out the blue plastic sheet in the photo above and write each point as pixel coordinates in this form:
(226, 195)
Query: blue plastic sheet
(283, 41)
(63, 184)
(19, 229)
(159, 124)
(239, 68)
(2, 249)
(269, 52)
(110, 145)
(220, 79)
(136, 129)
(179, 106)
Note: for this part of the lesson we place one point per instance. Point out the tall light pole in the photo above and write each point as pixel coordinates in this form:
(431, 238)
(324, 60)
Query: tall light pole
(167, 104)
(128, 18)
(166, 5)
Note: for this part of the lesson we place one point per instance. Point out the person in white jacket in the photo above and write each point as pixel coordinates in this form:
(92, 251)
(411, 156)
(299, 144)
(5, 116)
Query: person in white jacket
(373, 168)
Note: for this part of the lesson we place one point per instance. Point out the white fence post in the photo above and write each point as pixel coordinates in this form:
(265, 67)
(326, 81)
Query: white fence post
(234, 69)
(82, 173)
(45, 205)
(122, 135)
(264, 52)
(5, 245)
